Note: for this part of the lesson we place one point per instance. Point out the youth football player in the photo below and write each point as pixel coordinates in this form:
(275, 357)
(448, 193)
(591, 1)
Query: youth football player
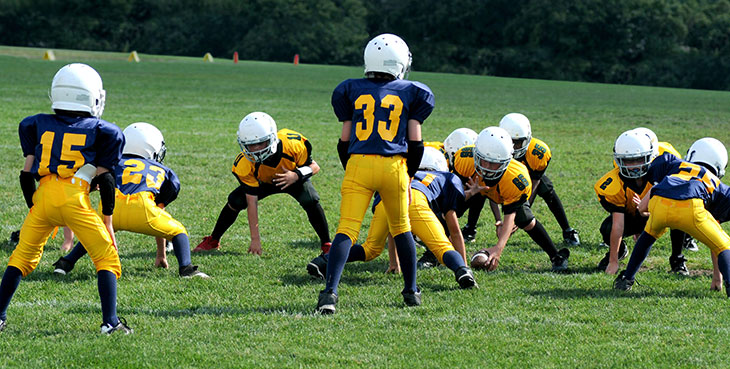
(64, 151)
(380, 147)
(144, 188)
(270, 162)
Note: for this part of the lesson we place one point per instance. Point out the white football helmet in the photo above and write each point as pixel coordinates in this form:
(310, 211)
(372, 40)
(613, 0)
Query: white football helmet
(518, 127)
(78, 87)
(145, 140)
(387, 53)
(433, 159)
(709, 151)
(456, 140)
(636, 148)
(493, 145)
(652, 137)
(257, 128)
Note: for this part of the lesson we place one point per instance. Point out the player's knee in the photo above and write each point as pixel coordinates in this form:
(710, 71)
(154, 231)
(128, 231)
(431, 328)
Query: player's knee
(370, 253)
(524, 220)
(237, 200)
(24, 267)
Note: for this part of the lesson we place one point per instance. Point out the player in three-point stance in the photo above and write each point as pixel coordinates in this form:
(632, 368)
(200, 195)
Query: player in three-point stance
(144, 188)
(65, 151)
(380, 147)
(270, 162)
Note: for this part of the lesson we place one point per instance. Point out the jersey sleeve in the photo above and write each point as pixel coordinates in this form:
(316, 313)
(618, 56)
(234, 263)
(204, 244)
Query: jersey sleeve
(666, 147)
(464, 162)
(28, 135)
(455, 198)
(423, 103)
(538, 158)
(297, 146)
(170, 188)
(108, 145)
(243, 170)
(515, 186)
(341, 102)
(659, 168)
(611, 193)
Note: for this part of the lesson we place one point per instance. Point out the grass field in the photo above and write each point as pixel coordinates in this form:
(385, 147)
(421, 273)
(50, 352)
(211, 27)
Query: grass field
(258, 311)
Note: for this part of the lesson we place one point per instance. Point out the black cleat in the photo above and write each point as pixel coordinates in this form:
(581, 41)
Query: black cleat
(469, 233)
(560, 260)
(63, 266)
(727, 288)
(412, 298)
(678, 265)
(570, 237)
(622, 283)
(689, 244)
(120, 327)
(191, 271)
(3, 323)
(326, 303)
(623, 252)
(317, 268)
(465, 278)
(15, 237)
(428, 260)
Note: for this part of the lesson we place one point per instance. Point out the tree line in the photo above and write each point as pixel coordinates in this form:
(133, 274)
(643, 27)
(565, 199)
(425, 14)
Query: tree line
(676, 43)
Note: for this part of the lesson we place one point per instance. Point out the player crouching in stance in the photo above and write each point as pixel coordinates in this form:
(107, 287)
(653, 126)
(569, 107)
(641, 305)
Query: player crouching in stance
(680, 199)
(506, 182)
(270, 162)
(65, 151)
(436, 197)
(380, 147)
(144, 188)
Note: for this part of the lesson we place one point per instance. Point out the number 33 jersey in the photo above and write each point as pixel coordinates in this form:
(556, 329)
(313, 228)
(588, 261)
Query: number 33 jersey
(379, 111)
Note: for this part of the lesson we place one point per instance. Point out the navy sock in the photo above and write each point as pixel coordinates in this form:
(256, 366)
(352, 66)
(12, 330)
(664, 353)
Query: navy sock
(357, 253)
(641, 251)
(453, 260)
(107, 283)
(181, 246)
(76, 253)
(11, 280)
(723, 263)
(406, 249)
(339, 252)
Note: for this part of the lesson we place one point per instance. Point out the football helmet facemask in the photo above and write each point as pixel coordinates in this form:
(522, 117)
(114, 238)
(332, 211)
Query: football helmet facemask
(254, 129)
(78, 87)
(144, 140)
(457, 139)
(518, 127)
(711, 152)
(387, 53)
(652, 137)
(633, 153)
(493, 146)
(434, 160)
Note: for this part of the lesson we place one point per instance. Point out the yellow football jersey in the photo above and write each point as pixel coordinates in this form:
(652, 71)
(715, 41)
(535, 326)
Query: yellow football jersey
(514, 186)
(464, 162)
(295, 152)
(537, 157)
(615, 195)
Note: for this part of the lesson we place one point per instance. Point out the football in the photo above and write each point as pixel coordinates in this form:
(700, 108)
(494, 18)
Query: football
(479, 260)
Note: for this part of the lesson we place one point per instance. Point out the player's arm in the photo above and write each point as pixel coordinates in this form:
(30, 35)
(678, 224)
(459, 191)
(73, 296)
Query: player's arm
(535, 183)
(643, 206)
(457, 239)
(27, 180)
(503, 234)
(393, 262)
(617, 234)
(252, 211)
(107, 192)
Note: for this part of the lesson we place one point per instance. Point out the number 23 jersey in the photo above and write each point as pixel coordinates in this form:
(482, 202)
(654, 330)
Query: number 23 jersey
(379, 111)
(135, 174)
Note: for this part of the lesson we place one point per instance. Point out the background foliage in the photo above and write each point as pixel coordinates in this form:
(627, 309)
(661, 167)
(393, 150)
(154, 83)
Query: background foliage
(679, 43)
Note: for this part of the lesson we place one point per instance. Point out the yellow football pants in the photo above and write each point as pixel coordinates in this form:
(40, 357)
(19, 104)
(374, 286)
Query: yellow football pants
(138, 213)
(366, 174)
(689, 216)
(64, 202)
(424, 224)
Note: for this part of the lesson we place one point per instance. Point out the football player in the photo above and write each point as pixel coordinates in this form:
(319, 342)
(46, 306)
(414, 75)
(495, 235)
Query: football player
(619, 192)
(270, 162)
(436, 197)
(536, 155)
(65, 151)
(144, 188)
(380, 148)
(506, 181)
(683, 192)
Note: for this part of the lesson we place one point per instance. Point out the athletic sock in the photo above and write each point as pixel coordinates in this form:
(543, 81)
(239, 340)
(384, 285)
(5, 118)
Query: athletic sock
(10, 282)
(337, 258)
(677, 238)
(406, 249)
(541, 237)
(723, 263)
(357, 253)
(641, 251)
(181, 246)
(107, 283)
(475, 209)
(76, 253)
(453, 260)
(225, 220)
(556, 207)
(319, 222)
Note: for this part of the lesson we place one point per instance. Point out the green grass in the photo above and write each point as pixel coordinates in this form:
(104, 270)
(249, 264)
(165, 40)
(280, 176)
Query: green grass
(257, 311)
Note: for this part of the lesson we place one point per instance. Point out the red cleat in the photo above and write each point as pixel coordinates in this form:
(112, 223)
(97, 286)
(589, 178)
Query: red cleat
(208, 244)
(326, 247)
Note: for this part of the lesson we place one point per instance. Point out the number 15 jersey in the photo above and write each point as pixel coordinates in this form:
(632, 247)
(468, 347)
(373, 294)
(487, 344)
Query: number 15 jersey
(379, 111)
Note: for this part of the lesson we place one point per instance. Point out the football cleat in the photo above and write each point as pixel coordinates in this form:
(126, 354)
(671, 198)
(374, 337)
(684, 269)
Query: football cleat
(560, 260)
(623, 252)
(326, 303)
(169, 247)
(622, 283)
(428, 260)
(317, 268)
(121, 326)
(208, 244)
(726, 283)
(570, 237)
(469, 233)
(690, 244)
(191, 271)
(465, 278)
(678, 265)
(63, 266)
(412, 298)
(3, 323)
(15, 237)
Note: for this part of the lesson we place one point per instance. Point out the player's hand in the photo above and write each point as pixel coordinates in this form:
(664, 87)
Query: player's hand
(255, 247)
(636, 199)
(494, 255)
(612, 268)
(161, 262)
(393, 269)
(286, 179)
(716, 284)
(473, 187)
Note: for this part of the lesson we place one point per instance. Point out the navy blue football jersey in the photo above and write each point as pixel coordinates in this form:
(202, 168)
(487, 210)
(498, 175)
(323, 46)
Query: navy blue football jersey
(135, 174)
(63, 144)
(719, 204)
(677, 179)
(379, 111)
(443, 190)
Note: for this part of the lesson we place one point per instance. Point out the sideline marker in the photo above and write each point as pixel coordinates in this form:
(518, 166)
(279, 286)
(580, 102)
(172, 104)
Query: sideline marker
(133, 57)
(235, 57)
(208, 58)
(49, 55)
(296, 59)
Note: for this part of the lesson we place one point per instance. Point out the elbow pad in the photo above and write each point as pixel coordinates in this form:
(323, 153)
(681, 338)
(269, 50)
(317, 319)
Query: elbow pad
(413, 158)
(27, 184)
(342, 148)
(304, 173)
(107, 187)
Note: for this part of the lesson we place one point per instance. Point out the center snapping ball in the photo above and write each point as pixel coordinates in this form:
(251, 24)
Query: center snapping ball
(479, 260)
